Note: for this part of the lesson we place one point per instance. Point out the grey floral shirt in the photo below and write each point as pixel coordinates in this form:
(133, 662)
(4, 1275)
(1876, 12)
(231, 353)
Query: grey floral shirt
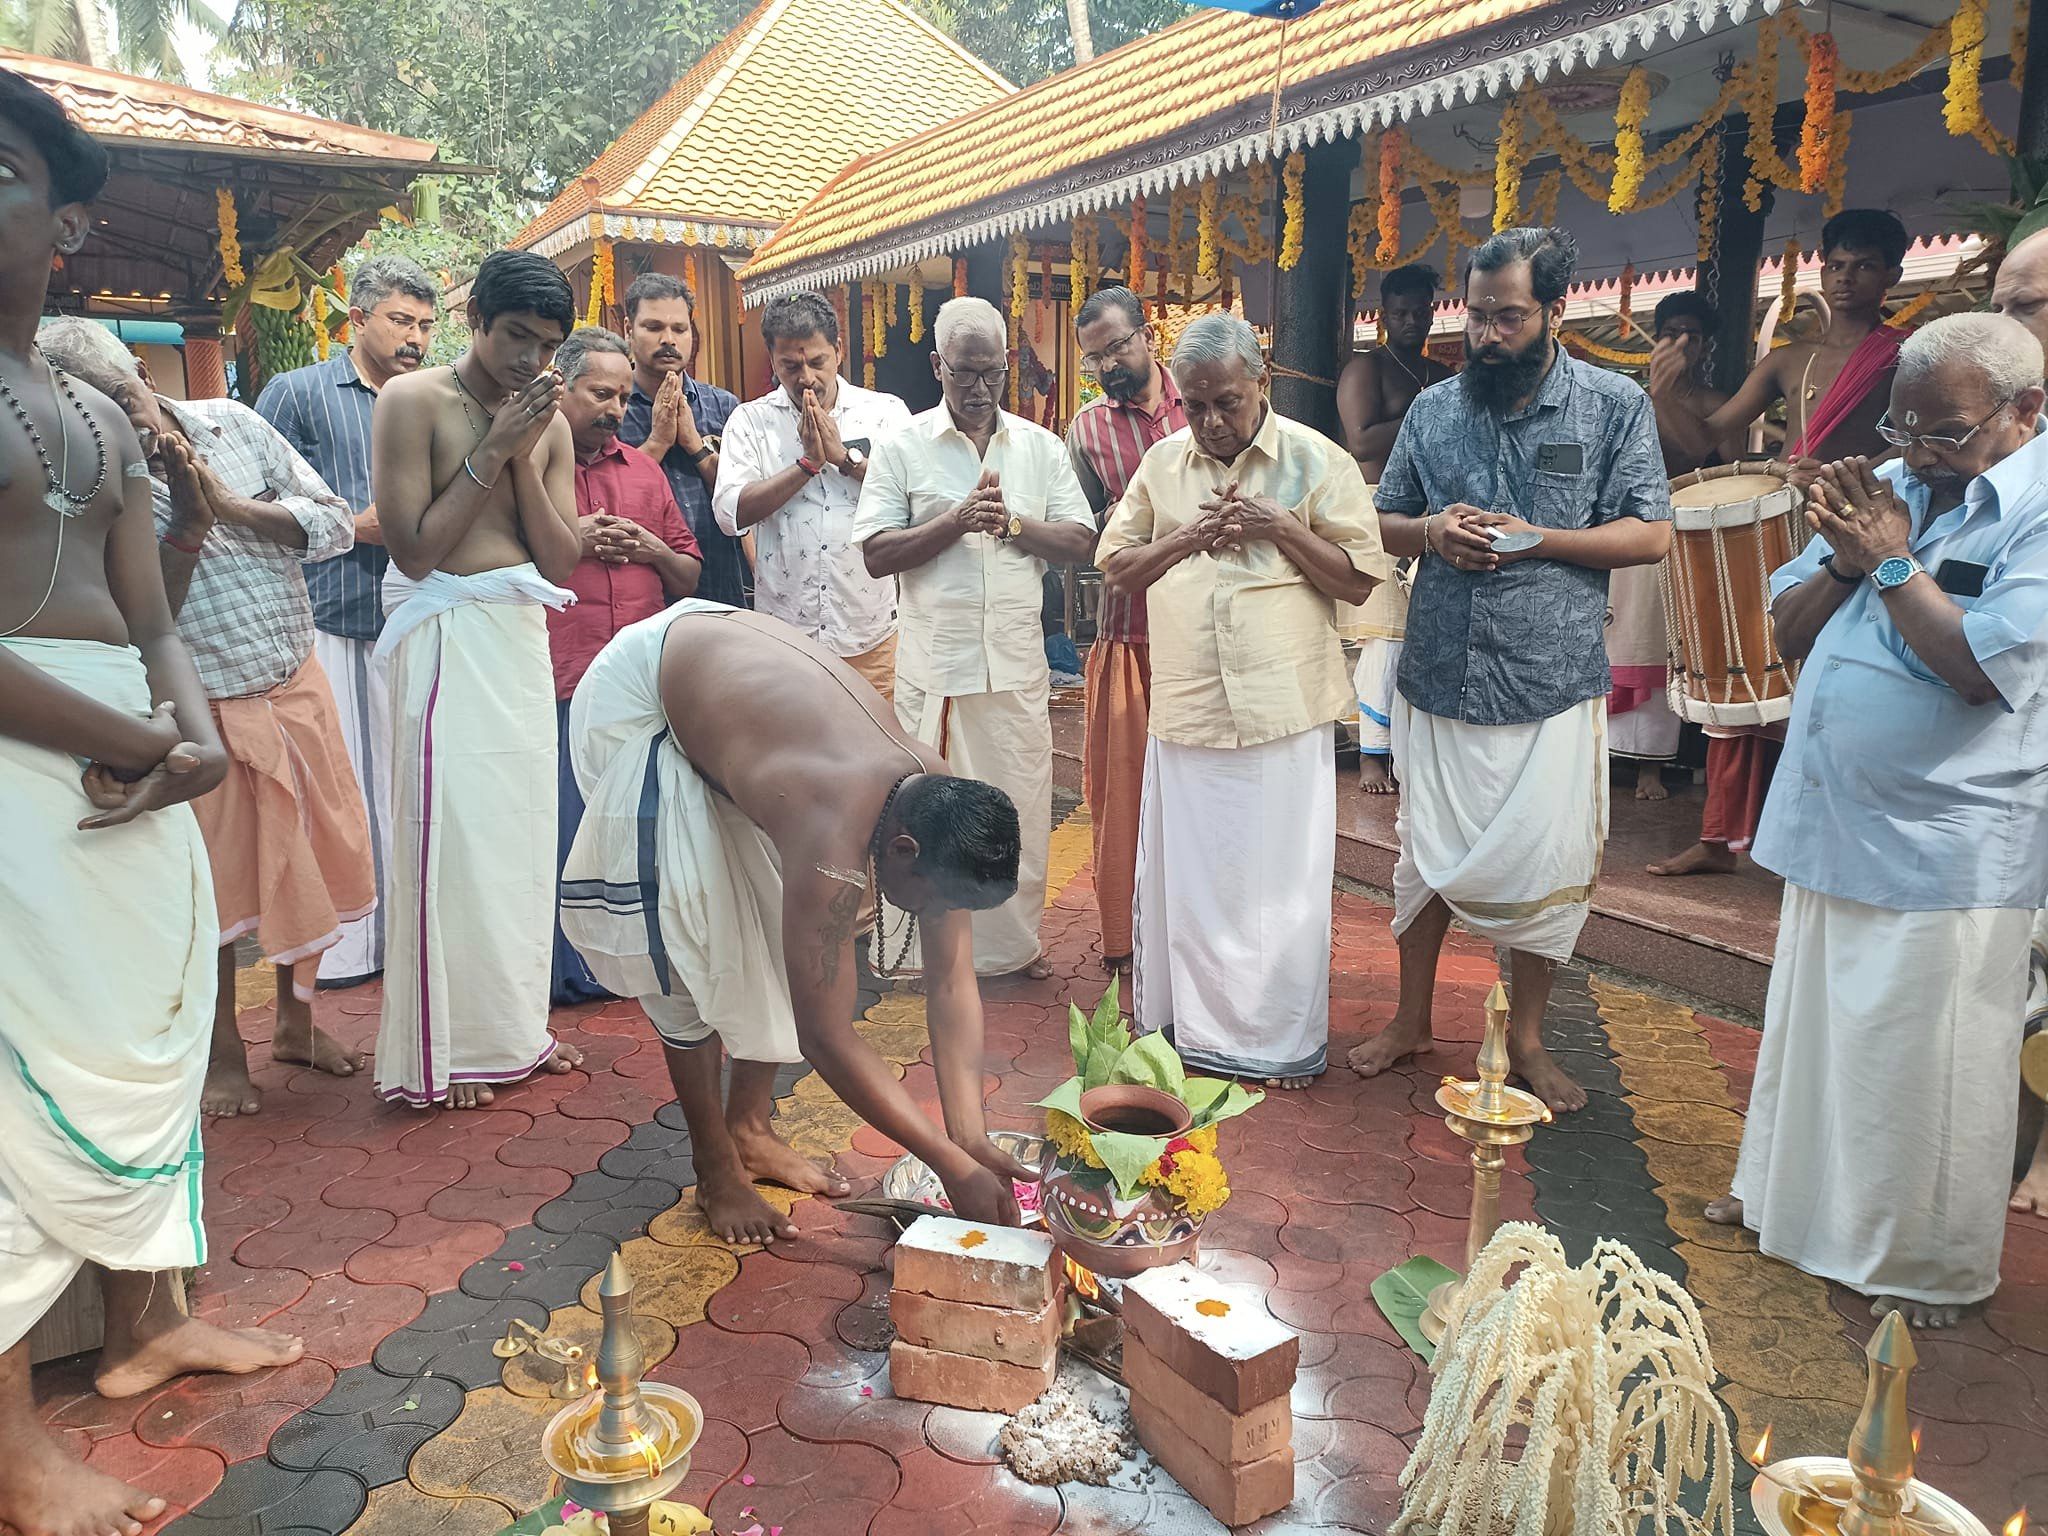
(1527, 641)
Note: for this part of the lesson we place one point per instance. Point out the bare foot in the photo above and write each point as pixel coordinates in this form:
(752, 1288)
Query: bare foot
(1289, 1083)
(191, 1347)
(567, 1058)
(1724, 1212)
(1650, 782)
(44, 1492)
(469, 1096)
(1391, 1046)
(228, 1091)
(309, 1045)
(735, 1210)
(2031, 1193)
(1699, 859)
(1037, 970)
(1547, 1080)
(1921, 1314)
(1116, 965)
(774, 1161)
(1376, 775)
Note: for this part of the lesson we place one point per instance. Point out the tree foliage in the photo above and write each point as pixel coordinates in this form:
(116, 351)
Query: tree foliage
(133, 35)
(1026, 40)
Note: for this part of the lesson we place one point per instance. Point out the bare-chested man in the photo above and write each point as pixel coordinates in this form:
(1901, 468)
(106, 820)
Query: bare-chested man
(1373, 393)
(777, 794)
(474, 473)
(106, 911)
(1834, 389)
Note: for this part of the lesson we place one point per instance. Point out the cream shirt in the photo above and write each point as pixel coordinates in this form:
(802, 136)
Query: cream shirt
(969, 618)
(1244, 648)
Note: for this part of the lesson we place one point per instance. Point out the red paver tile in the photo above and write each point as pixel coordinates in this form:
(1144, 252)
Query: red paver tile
(424, 1251)
(234, 1416)
(66, 1400)
(180, 1477)
(314, 1238)
(739, 1377)
(720, 1457)
(840, 1413)
(343, 1321)
(563, 1141)
(803, 1487)
(395, 1180)
(770, 1296)
(468, 1134)
(298, 1175)
(230, 1296)
(230, 1218)
(498, 1193)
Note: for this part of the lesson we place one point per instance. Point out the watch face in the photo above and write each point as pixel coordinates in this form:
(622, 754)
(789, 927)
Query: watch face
(1894, 572)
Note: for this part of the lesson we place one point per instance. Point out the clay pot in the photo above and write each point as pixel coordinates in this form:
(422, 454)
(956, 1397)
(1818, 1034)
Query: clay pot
(1090, 1224)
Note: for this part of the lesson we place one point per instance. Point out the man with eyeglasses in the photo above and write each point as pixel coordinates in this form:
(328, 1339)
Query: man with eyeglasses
(1909, 819)
(1139, 405)
(1521, 485)
(966, 507)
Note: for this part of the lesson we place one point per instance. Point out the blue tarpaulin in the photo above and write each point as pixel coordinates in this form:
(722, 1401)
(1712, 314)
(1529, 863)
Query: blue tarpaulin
(1285, 10)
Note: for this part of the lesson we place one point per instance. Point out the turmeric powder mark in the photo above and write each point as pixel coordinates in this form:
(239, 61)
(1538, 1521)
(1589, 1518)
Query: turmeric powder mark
(1212, 1308)
(973, 1240)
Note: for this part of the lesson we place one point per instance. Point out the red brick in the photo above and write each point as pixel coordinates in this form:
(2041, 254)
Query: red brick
(1241, 1356)
(1234, 1495)
(1229, 1438)
(992, 1333)
(962, 1381)
(983, 1266)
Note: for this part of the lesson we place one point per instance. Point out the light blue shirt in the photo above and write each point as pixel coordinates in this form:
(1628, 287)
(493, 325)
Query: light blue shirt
(1892, 790)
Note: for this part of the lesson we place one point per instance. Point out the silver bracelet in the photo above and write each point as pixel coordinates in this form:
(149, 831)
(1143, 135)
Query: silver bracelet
(1427, 547)
(481, 483)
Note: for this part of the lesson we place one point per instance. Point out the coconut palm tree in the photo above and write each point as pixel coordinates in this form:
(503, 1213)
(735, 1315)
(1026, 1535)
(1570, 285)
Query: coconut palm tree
(134, 35)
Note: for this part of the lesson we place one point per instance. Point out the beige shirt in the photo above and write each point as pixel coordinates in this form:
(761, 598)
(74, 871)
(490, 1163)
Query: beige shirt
(969, 619)
(1244, 648)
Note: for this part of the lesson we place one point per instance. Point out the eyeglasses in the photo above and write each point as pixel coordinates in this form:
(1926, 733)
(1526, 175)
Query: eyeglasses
(1505, 321)
(1091, 362)
(991, 380)
(1934, 444)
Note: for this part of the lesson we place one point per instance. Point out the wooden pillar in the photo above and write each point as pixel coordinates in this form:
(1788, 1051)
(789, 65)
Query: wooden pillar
(206, 371)
(2033, 127)
(1727, 279)
(1306, 298)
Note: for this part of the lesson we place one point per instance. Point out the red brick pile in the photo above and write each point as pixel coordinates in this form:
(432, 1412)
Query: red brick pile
(977, 1315)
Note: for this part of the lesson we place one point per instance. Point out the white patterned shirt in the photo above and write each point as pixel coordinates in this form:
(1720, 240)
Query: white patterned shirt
(246, 618)
(807, 571)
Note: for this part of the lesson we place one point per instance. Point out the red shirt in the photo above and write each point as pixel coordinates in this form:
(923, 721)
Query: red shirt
(1107, 438)
(626, 483)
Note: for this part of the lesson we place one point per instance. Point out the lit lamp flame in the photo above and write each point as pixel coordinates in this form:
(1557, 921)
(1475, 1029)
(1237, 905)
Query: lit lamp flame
(645, 1447)
(1761, 1451)
(1082, 1280)
(2017, 1525)
(1916, 1441)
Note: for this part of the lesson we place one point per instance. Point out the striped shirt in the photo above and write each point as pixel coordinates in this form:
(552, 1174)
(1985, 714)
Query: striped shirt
(1106, 439)
(246, 618)
(726, 578)
(324, 412)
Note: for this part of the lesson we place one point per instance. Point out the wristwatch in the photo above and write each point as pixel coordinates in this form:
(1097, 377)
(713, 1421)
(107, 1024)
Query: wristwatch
(855, 458)
(702, 454)
(1012, 528)
(1896, 572)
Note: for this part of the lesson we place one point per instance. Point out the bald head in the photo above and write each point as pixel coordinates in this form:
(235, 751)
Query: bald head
(2021, 289)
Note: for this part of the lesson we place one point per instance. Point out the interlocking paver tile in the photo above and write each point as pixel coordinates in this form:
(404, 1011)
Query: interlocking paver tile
(342, 1320)
(498, 1193)
(180, 1476)
(741, 1378)
(260, 1498)
(567, 1142)
(395, 1180)
(490, 1449)
(233, 1415)
(452, 1337)
(547, 1267)
(425, 1251)
(229, 1296)
(805, 1487)
(314, 1238)
(369, 1425)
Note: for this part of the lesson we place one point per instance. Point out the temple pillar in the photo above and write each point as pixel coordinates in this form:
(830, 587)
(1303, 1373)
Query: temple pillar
(1310, 300)
(206, 372)
(1727, 279)
(2032, 138)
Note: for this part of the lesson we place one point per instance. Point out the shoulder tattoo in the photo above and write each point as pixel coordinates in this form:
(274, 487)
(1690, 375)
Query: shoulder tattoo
(841, 914)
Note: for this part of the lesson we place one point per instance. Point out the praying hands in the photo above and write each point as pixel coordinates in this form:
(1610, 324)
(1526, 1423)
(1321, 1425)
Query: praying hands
(1860, 516)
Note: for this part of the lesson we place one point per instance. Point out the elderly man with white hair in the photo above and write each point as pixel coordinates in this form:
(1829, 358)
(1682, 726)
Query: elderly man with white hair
(1909, 818)
(1243, 530)
(239, 515)
(966, 507)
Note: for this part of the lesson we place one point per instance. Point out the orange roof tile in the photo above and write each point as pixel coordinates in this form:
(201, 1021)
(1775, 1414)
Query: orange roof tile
(118, 108)
(754, 129)
(1183, 103)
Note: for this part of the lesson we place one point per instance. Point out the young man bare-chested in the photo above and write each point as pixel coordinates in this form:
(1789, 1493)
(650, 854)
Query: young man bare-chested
(1373, 393)
(106, 909)
(748, 795)
(474, 472)
(1834, 390)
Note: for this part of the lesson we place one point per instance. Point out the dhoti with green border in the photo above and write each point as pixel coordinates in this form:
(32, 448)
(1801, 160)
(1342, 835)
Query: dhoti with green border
(108, 946)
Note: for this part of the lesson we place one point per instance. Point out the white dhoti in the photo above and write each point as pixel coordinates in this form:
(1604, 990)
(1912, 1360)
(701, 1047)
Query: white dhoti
(362, 697)
(1237, 848)
(470, 899)
(671, 894)
(1504, 822)
(1373, 680)
(108, 952)
(1004, 739)
(1878, 1149)
(1640, 722)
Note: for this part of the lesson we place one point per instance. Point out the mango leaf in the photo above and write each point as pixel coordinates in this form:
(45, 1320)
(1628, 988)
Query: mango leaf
(1077, 1037)
(1066, 1098)
(1403, 1296)
(1102, 1059)
(1214, 1099)
(1109, 1010)
(1127, 1157)
(1152, 1063)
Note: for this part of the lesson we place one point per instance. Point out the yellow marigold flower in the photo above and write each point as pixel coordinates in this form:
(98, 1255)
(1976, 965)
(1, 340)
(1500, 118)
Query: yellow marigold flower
(1070, 1137)
(1198, 1181)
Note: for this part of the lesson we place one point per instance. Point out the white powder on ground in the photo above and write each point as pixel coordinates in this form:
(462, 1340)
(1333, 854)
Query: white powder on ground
(1062, 1439)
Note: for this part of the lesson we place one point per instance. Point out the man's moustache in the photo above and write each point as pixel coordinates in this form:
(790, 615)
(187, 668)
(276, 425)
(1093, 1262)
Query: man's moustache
(412, 352)
(668, 354)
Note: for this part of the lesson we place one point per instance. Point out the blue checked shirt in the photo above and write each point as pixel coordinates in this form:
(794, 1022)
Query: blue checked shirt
(1527, 641)
(725, 564)
(324, 412)
(1892, 791)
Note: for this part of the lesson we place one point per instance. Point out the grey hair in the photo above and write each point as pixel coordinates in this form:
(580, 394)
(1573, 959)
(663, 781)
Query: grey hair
(1998, 347)
(572, 357)
(89, 351)
(377, 279)
(1217, 339)
(970, 317)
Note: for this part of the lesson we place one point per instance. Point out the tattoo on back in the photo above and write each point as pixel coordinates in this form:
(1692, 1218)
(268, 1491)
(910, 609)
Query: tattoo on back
(840, 916)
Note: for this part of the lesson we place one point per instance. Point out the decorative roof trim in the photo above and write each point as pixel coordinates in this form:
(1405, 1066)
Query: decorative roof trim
(1465, 68)
(654, 229)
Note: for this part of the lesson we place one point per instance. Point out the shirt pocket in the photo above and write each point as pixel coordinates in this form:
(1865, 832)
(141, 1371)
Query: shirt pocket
(1557, 501)
(928, 501)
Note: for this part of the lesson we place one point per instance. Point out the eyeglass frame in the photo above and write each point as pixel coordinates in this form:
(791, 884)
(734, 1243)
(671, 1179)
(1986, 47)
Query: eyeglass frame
(991, 379)
(1114, 349)
(1478, 324)
(1903, 441)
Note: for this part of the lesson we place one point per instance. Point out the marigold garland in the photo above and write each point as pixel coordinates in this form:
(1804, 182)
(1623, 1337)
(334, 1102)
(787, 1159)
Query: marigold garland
(1507, 166)
(1208, 219)
(1393, 146)
(1788, 283)
(1837, 183)
(959, 277)
(1197, 1180)
(322, 342)
(337, 279)
(895, 311)
(600, 282)
(1579, 341)
(1543, 206)
(1020, 279)
(1134, 262)
(916, 300)
(1070, 1138)
(1913, 310)
(230, 239)
(690, 271)
(1961, 98)
(1708, 202)
(1766, 166)
(1626, 304)
(1629, 116)
(1077, 263)
(1293, 211)
(1817, 131)
(2019, 47)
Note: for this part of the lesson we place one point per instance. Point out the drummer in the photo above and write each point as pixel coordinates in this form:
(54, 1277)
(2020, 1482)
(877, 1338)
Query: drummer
(1521, 487)
(1835, 390)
